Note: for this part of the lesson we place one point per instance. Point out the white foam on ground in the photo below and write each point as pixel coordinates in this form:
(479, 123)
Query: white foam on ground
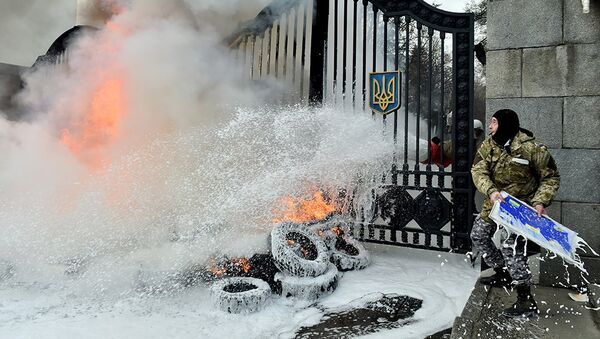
(442, 281)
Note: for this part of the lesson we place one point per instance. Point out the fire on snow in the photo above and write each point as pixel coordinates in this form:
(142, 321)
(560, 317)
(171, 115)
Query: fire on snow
(301, 210)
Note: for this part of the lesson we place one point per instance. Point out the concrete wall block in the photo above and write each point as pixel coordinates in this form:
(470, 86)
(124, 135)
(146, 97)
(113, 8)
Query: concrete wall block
(542, 116)
(518, 23)
(544, 71)
(503, 73)
(580, 178)
(580, 27)
(583, 68)
(581, 122)
(584, 219)
(555, 211)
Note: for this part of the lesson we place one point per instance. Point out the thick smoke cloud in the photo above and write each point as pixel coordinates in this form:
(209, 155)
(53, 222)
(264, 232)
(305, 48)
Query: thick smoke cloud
(27, 28)
(134, 154)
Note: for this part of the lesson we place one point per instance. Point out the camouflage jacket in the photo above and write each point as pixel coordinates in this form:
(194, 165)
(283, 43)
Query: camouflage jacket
(529, 172)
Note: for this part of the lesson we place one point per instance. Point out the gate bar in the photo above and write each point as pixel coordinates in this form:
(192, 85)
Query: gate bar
(406, 79)
(418, 122)
(354, 20)
(429, 177)
(318, 48)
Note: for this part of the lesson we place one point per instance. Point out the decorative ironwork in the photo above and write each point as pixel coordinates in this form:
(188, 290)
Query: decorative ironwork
(395, 205)
(58, 51)
(384, 88)
(416, 26)
(424, 13)
(433, 50)
(462, 195)
(432, 210)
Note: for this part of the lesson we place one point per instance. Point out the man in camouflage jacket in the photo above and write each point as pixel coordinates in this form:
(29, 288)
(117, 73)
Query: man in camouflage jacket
(513, 162)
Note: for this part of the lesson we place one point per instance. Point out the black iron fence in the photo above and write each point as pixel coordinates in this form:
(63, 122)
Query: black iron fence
(325, 49)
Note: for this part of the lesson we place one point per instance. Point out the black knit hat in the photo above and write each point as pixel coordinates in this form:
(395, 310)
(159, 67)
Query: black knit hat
(508, 126)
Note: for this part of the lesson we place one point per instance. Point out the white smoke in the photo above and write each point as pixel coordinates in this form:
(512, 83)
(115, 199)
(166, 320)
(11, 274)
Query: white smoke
(185, 175)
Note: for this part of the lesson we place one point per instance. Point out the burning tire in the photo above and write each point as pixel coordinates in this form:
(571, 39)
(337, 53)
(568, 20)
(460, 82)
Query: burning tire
(298, 251)
(308, 288)
(349, 254)
(331, 228)
(240, 294)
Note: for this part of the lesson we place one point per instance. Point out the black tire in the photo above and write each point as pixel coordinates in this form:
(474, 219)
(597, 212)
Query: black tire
(329, 229)
(349, 254)
(309, 288)
(240, 294)
(324, 232)
(298, 251)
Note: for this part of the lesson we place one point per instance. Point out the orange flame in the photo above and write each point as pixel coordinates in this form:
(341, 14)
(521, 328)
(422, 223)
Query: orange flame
(215, 269)
(304, 210)
(225, 266)
(100, 124)
(243, 263)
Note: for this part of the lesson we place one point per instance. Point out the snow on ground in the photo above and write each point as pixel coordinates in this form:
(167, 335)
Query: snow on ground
(444, 281)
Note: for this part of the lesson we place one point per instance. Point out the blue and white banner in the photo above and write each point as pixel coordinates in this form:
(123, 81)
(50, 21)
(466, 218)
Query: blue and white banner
(519, 218)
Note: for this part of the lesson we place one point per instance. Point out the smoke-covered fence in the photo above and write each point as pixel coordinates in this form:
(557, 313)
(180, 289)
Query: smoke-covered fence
(332, 46)
(286, 41)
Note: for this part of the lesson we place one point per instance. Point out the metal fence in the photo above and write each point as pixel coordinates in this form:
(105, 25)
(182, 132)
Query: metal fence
(286, 41)
(325, 49)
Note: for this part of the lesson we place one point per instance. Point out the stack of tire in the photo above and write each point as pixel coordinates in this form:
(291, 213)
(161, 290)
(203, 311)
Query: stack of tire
(303, 258)
(309, 257)
(345, 252)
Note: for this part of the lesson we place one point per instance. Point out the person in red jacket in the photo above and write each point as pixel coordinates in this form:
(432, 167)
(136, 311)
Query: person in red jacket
(437, 148)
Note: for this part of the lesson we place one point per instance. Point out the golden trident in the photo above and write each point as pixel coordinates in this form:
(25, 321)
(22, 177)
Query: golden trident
(381, 97)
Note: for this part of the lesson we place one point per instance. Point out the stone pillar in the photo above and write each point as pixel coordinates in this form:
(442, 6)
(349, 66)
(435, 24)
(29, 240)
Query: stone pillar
(544, 63)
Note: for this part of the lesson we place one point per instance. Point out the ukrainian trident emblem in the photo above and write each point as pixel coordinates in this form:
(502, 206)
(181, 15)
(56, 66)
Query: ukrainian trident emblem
(384, 91)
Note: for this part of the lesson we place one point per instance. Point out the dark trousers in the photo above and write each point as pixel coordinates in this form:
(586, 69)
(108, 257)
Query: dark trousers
(511, 254)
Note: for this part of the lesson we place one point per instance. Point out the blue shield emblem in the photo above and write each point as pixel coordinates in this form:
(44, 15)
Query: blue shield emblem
(384, 91)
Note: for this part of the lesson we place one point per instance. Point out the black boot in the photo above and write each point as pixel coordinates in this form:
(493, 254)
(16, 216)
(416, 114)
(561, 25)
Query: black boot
(525, 305)
(500, 279)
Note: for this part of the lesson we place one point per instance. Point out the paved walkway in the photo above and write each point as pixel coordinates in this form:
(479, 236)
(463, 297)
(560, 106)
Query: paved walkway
(560, 317)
